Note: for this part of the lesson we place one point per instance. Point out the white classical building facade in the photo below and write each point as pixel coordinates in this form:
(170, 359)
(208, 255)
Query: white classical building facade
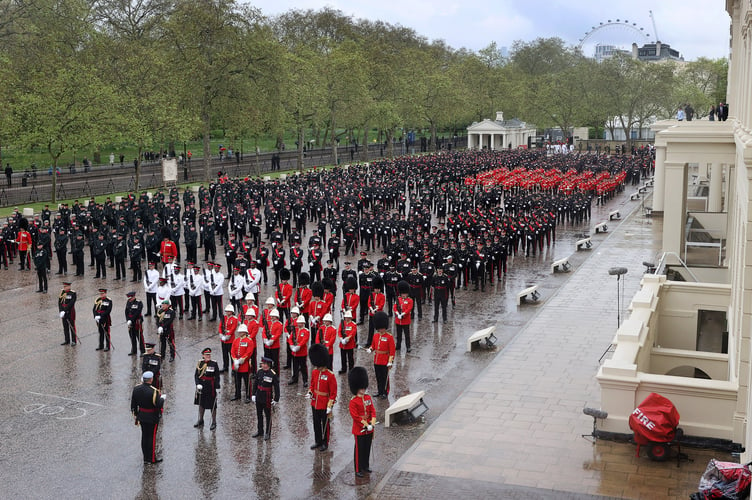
(499, 133)
(667, 344)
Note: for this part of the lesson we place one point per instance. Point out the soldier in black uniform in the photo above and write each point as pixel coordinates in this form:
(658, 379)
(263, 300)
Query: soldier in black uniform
(391, 280)
(98, 252)
(77, 250)
(441, 285)
(427, 269)
(348, 272)
(135, 322)
(265, 393)
(136, 251)
(61, 249)
(146, 404)
(101, 311)
(66, 304)
(165, 318)
(120, 251)
(41, 264)
(365, 280)
(207, 381)
(450, 271)
(152, 362)
(415, 280)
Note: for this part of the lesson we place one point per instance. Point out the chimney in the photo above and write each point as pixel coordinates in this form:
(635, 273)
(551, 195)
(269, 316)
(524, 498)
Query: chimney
(499, 116)
(634, 51)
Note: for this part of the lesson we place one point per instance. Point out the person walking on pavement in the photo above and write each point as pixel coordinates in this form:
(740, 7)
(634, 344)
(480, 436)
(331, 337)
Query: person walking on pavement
(147, 403)
(135, 323)
(363, 415)
(265, 394)
(208, 384)
(66, 304)
(101, 311)
(323, 395)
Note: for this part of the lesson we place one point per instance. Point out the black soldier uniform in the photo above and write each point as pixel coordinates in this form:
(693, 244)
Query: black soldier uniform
(101, 311)
(66, 304)
(265, 393)
(207, 382)
(41, 264)
(152, 362)
(61, 249)
(165, 318)
(146, 404)
(441, 285)
(135, 321)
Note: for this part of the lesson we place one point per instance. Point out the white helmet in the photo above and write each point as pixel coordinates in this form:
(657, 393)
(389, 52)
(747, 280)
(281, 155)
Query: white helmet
(348, 314)
(249, 296)
(242, 329)
(229, 308)
(270, 301)
(328, 317)
(251, 312)
(274, 313)
(301, 319)
(294, 310)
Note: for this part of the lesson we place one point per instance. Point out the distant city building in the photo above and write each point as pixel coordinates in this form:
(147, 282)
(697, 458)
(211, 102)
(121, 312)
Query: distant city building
(655, 52)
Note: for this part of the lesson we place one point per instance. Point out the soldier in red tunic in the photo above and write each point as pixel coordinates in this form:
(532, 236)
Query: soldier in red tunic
(364, 418)
(383, 349)
(323, 394)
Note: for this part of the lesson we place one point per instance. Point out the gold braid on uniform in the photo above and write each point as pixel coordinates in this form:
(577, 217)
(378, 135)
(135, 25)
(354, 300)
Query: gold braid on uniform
(62, 296)
(160, 315)
(98, 302)
(201, 367)
(154, 395)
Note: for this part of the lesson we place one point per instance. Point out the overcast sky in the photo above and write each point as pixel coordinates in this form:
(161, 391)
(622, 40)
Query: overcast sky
(697, 28)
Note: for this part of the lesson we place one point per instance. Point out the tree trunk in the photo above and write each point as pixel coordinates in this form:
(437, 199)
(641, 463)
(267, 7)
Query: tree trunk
(432, 146)
(258, 159)
(364, 144)
(207, 144)
(390, 143)
(138, 169)
(334, 141)
(301, 138)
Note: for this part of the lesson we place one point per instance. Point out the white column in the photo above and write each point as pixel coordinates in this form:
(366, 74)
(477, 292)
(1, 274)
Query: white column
(715, 200)
(480, 140)
(493, 142)
(674, 214)
(659, 184)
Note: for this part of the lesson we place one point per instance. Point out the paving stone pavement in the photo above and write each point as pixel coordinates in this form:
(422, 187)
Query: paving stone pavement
(515, 432)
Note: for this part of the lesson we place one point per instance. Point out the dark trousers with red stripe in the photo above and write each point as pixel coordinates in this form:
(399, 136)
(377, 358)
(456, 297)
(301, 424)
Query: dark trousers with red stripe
(149, 440)
(382, 378)
(363, 451)
(320, 427)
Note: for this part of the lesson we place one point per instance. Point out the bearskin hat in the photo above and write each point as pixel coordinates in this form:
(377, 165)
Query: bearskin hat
(403, 287)
(23, 223)
(357, 379)
(284, 274)
(304, 279)
(352, 284)
(328, 285)
(319, 355)
(165, 232)
(317, 289)
(380, 320)
(378, 283)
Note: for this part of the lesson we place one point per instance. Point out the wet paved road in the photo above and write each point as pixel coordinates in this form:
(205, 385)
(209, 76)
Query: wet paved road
(67, 428)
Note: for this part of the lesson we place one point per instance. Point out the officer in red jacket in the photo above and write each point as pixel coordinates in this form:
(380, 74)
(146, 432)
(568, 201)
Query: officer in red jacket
(227, 327)
(323, 395)
(364, 419)
(298, 341)
(403, 308)
(348, 333)
(383, 349)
